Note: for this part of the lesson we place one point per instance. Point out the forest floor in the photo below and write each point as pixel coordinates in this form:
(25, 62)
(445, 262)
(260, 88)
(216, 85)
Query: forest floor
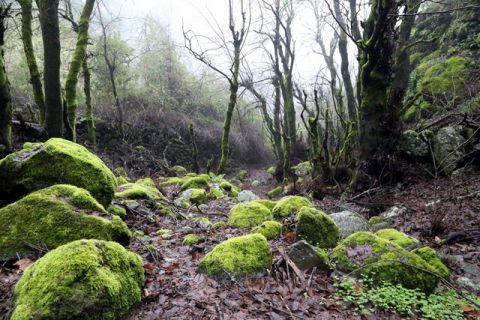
(175, 290)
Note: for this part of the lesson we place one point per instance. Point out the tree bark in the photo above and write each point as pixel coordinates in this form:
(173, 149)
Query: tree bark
(92, 133)
(5, 96)
(48, 12)
(378, 123)
(29, 51)
(75, 66)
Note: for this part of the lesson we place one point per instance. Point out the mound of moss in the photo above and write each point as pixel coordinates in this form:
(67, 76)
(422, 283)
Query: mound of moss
(432, 258)
(384, 261)
(54, 216)
(269, 229)
(397, 237)
(275, 192)
(57, 161)
(141, 189)
(240, 257)
(180, 171)
(317, 228)
(290, 205)
(248, 214)
(84, 279)
(267, 203)
(197, 182)
(192, 239)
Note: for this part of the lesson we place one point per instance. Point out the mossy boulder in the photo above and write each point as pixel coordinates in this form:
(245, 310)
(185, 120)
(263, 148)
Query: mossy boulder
(414, 144)
(384, 261)
(198, 196)
(275, 192)
(198, 182)
(397, 237)
(117, 211)
(317, 228)
(240, 257)
(248, 214)
(306, 256)
(180, 171)
(142, 189)
(54, 216)
(57, 161)
(432, 258)
(267, 203)
(270, 229)
(84, 279)
(290, 205)
(302, 169)
(192, 239)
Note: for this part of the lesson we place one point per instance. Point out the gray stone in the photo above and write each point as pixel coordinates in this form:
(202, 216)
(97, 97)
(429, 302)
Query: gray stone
(306, 256)
(349, 222)
(247, 195)
(468, 284)
(414, 144)
(448, 148)
(393, 212)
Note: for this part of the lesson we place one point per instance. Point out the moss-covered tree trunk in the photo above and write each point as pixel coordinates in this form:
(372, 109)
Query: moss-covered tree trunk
(92, 132)
(29, 51)
(378, 124)
(225, 144)
(48, 13)
(5, 97)
(194, 150)
(75, 66)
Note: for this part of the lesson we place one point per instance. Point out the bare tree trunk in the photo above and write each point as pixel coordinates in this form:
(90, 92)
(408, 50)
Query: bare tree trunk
(48, 11)
(29, 50)
(5, 97)
(75, 65)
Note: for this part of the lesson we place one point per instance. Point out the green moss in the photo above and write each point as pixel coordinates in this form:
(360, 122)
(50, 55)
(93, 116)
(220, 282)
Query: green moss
(122, 180)
(303, 168)
(270, 229)
(290, 205)
(267, 203)
(445, 76)
(199, 182)
(120, 172)
(270, 170)
(117, 211)
(397, 237)
(218, 225)
(383, 261)
(240, 257)
(166, 182)
(85, 279)
(316, 228)
(163, 232)
(180, 171)
(204, 222)
(54, 216)
(198, 196)
(375, 220)
(56, 161)
(191, 239)
(275, 192)
(146, 182)
(139, 191)
(215, 194)
(227, 186)
(432, 258)
(248, 214)
(242, 175)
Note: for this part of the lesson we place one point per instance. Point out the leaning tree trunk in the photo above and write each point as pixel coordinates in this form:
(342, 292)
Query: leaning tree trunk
(75, 65)
(48, 13)
(5, 97)
(29, 51)
(378, 124)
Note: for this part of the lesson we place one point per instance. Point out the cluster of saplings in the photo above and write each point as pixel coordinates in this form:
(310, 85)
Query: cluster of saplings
(58, 191)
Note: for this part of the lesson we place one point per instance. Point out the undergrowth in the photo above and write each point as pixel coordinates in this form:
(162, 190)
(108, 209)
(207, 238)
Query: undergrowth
(365, 299)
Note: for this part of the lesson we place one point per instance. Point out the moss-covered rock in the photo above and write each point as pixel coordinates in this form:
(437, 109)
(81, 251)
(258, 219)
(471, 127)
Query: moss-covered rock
(248, 214)
(267, 203)
(84, 279)
(317, 228)
(383, 261)
(432, 258)
(303, 168)
(270, 229)
(54, 216)
(290, 205)
(117, 211)
(242, 175)
(227, 186)
(198, 196)
(271, 170)
(306, 256)
(180, 171)
(198, 182)
(275, 192)
(142, 189)
(57, 161)
(444, 76)
(397, 237)
(240, 257)
(192, 239)
(218, 225)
